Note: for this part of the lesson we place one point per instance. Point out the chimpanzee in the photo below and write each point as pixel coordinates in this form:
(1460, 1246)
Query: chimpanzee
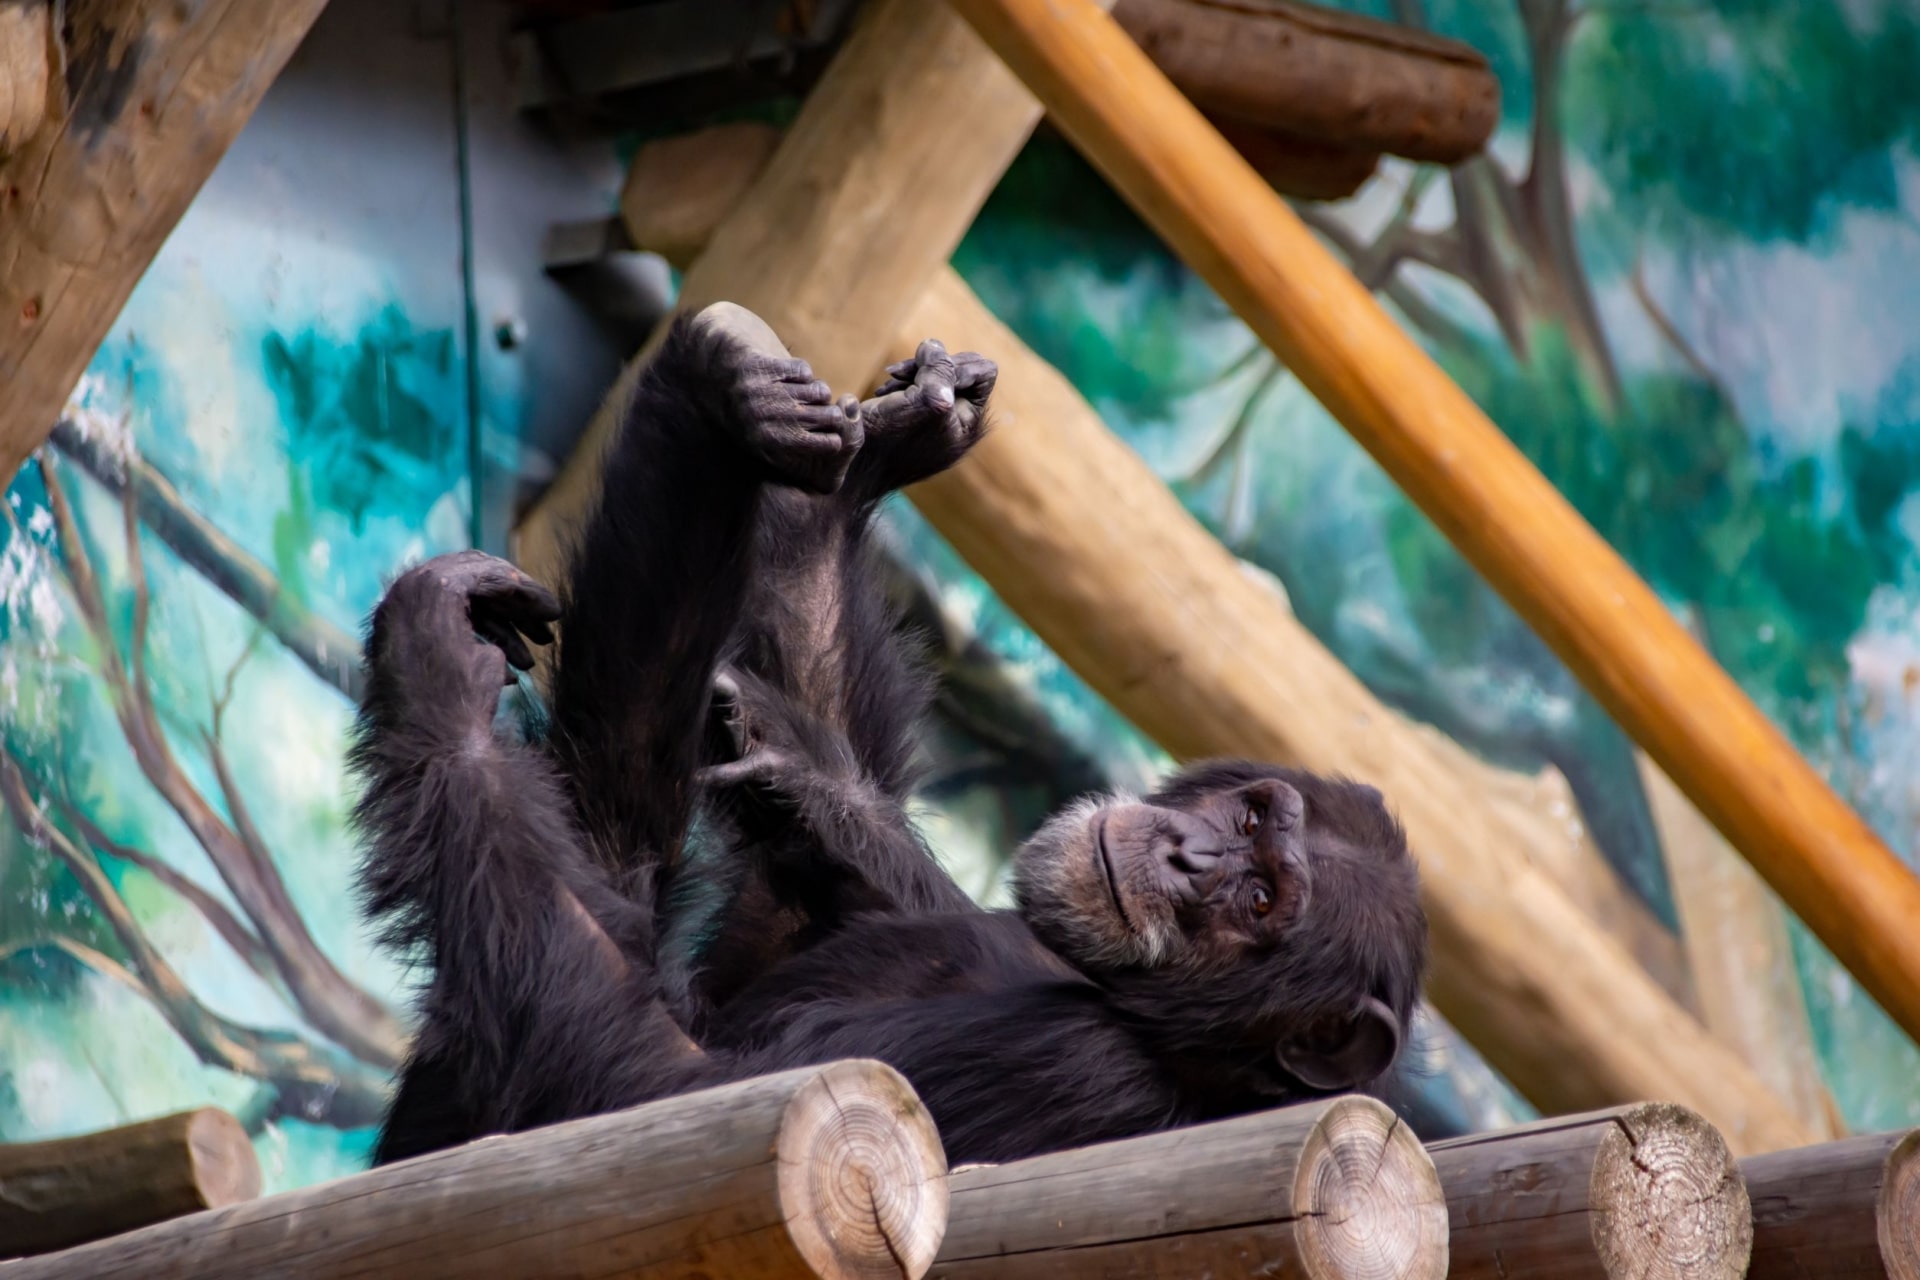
(1245, 936)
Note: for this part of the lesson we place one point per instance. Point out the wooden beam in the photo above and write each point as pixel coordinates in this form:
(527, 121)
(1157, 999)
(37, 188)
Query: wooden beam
(26, 48)
(1649, 1192)
(148, 96)
(1842, 1209)
(868, 194)
(1740, 955)
(67, 1191)
(1322, 76)
(831, 1171)
(1083, 541)
(1503, 515)
(1327, 1190)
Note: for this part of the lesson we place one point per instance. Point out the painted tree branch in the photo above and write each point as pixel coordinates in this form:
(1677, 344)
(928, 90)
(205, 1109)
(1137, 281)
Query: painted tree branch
(312, 1084)
(332, 1004)
(329, 651)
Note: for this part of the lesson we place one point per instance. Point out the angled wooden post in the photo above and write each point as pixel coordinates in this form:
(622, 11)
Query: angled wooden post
(1503, 515)
(142, 99)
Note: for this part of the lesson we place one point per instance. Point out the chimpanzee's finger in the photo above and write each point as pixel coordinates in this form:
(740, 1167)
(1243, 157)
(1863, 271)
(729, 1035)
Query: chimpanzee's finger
(974, 375)
(733, 773)
(501, 634)
(787, 370)
(508, 590)
(934, 376)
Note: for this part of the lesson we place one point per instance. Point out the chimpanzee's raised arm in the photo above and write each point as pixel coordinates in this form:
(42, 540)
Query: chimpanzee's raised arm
(542, 1002)
(661, 567)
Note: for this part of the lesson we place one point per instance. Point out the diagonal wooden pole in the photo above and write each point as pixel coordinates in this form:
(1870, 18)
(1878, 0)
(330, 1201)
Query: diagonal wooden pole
(1503, 515)
(141, 101)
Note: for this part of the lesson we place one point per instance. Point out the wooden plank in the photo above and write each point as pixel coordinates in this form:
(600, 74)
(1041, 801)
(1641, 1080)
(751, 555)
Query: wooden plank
(1330, 1189)
(149, 96)
(875, 182)
(1847, 1210)
(831, 1171)
(1503, 515)
(67, 1191)
(1648, 1192)
(1322, 76)
(1740, 955)
(1080, 538)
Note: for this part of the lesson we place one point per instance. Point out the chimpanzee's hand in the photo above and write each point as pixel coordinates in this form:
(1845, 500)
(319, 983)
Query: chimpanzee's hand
(447, 631)
(780, 412)
(772, 763)
(926, 415)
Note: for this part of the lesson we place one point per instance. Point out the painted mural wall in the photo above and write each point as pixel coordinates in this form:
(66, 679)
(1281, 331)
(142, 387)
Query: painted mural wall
(1685, 283)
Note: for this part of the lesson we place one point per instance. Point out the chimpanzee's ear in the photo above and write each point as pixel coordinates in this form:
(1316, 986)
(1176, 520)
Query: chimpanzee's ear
(1348, 1054)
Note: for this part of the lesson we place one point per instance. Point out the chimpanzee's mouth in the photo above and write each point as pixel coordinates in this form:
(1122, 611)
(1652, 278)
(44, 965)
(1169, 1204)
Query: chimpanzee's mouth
(1105, 860)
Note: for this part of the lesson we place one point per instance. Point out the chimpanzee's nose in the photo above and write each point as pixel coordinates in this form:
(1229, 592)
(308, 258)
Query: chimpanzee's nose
(1192, 846)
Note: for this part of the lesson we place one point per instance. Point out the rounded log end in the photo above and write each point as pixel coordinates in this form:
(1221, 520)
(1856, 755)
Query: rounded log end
(1899, 1210)
(863, 1177)
(1669, 1200)
(1367, 1202)
(226, 1169)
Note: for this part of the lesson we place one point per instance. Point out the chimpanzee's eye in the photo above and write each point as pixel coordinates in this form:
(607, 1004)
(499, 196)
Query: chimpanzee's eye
(1262, 899)
(1249, 821)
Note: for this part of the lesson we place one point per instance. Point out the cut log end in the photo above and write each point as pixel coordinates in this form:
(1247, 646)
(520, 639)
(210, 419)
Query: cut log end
(862, 1175)
(225, 1168)
(1367, 1200)
(1669, 1199)
(1899, 1210)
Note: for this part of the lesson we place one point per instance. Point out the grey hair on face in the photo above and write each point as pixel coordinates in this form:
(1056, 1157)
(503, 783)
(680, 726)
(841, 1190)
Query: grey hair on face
(1063, 894)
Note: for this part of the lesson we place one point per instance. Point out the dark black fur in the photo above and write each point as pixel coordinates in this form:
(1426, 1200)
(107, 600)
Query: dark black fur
(732, 540)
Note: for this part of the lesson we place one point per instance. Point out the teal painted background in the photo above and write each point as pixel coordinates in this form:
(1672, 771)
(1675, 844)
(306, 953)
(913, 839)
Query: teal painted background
(1685, 283)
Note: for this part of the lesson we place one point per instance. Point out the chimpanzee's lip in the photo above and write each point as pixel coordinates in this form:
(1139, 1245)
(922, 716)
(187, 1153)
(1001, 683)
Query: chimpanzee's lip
(1106, 868)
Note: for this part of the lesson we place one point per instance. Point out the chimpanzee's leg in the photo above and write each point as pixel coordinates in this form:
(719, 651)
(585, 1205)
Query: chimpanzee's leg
(663, 564)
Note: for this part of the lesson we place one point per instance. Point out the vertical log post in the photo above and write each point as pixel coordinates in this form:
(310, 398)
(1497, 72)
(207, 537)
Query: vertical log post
(1503, 515)
(1847, 1210)
(1330, 1190)
(832, 1172)
(145, 98)
(1641, 1193)
(67, 1191)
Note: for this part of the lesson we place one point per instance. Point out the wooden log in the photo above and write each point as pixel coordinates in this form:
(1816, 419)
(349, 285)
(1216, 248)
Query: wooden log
(1323, 76)
(831, 1171)
(868, 194)
(1647, 1192)
(1298, 168)
(1609, 628)
(1327, 1190)
(1740, 955)
(26, 48)
(67, 1191)
(1083, 541)
(1847, 1210)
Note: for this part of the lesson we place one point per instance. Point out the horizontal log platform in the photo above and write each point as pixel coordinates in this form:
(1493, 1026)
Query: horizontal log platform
(1331, 1190)
(1648, 1192)
(1847, 1210)
(1338, 80)
(67, 1191)
(832, 1171)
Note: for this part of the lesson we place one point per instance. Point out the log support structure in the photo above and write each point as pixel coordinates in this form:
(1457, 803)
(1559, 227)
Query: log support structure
(1847, 1210)
(1648, 1192)
(138, 100)
(67, 1191)
(832, 1172)
(1610, 629)
(1331, 1190)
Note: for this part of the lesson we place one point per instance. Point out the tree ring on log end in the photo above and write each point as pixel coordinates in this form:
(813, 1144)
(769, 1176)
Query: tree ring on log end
(1367, 1203)
(225, 1167)
(863, 1177)
(1668, 1199)
(1899, 1210)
